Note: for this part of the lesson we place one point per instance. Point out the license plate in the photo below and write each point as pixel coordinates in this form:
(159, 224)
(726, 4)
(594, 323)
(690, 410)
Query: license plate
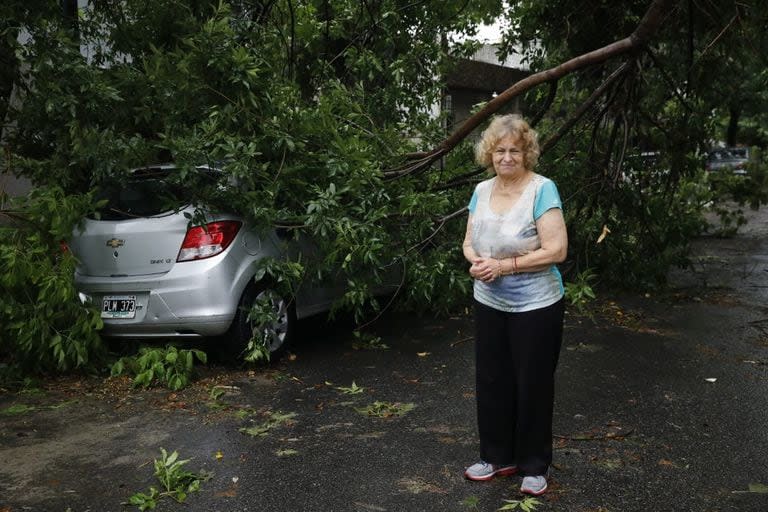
(118, 306)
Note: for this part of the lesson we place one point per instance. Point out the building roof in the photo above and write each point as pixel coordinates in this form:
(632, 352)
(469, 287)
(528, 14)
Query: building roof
(482, 76)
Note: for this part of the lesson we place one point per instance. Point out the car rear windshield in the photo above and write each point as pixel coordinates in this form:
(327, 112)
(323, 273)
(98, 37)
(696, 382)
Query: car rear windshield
(150, 192)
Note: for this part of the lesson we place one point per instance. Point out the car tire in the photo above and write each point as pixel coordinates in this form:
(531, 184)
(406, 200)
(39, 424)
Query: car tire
(279, 333)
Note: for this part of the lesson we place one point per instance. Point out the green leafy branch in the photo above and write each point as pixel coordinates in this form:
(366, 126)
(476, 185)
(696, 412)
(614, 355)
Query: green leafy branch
(580, 292)
(168, 366)
(354, 389)
(526, 504)
(176, 482)
(274, 420)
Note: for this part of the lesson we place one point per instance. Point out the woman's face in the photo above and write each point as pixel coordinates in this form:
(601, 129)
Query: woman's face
(508, 159)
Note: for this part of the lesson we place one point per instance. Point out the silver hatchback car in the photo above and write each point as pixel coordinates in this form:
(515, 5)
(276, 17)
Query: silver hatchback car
(156, 276)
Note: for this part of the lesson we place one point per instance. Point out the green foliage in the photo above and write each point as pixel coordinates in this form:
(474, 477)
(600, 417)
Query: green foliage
(306, 105)
(257, 351)
(579, 292)
(354, 389)
(633, 160)
(758, 488)
(528, 504)
(16, 410)
(44, 327)
(381, 409)
(303, 108)
(262, 313)
(471, 502)
(365, 341)
(633, 226)
(176, 482)
(170, 367)
(275, 419)
(217, 392)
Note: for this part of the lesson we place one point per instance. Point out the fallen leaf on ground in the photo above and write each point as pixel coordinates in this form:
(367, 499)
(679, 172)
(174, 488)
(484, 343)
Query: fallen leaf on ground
(368, 506)
(753, 488)
(229, 493)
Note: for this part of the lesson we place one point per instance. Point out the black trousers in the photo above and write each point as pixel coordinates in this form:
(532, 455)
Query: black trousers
(516, 356)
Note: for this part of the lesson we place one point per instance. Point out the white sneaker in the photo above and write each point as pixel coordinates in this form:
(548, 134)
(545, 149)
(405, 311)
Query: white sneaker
(534, 485)
(485, 471)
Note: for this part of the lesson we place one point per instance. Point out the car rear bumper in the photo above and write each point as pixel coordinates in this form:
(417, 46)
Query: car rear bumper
(193, 299)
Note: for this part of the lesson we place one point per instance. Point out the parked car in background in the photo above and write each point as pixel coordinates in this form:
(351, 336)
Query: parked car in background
(734, 159)
(155, 275)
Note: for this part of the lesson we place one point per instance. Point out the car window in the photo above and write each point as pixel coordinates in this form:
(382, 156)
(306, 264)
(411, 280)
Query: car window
(151, 191)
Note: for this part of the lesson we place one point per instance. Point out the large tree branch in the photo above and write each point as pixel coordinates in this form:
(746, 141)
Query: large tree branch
(647, 27)
(639, 38)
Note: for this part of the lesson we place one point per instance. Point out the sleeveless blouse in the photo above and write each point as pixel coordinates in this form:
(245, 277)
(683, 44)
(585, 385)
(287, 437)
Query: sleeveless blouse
(514, 233)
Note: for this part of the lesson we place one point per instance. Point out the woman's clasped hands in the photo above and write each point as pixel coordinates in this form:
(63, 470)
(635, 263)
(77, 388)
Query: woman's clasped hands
(485, 269)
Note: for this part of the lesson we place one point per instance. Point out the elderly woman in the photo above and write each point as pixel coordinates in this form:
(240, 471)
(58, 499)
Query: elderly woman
(515, 236)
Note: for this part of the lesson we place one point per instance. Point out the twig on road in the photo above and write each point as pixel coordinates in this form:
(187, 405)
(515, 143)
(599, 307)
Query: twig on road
(463, 340)
(590, 437)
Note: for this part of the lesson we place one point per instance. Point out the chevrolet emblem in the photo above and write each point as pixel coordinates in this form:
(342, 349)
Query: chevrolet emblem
(115, 243)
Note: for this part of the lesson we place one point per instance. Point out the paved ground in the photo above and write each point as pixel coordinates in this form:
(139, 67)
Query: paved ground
(661, 406)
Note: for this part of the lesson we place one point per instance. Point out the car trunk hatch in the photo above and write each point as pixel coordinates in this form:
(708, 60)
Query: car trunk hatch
(129, 247)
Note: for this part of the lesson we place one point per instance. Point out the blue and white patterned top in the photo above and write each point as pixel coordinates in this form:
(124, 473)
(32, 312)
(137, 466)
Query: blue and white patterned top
(510, 234)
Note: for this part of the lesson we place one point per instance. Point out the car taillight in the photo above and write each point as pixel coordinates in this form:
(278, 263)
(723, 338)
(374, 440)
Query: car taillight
(205, 241)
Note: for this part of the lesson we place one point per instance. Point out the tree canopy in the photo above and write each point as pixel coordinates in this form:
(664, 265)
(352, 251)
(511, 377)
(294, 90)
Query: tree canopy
(323, 113)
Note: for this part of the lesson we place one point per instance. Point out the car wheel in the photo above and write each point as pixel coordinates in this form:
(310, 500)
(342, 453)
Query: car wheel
(276, 332)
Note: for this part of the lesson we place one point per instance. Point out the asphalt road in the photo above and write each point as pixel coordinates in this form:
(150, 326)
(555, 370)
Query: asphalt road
(661, 406)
